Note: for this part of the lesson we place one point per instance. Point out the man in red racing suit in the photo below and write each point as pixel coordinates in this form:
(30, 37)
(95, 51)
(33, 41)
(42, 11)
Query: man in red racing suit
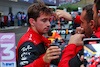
(31, 49)
(71, 53)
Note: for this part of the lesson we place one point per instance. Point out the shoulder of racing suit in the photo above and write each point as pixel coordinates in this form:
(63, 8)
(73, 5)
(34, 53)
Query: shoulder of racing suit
(96, 35)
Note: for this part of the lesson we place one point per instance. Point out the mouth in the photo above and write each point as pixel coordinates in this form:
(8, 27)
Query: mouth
(47, 29)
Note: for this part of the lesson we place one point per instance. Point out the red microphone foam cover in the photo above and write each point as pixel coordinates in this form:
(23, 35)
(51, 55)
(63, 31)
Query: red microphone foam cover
(77, 19)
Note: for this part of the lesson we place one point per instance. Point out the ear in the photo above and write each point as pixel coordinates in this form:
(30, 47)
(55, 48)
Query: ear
(92, 24)
(31, 21)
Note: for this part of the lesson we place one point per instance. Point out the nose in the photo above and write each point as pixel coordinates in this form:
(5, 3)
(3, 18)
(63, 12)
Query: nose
(48, 23)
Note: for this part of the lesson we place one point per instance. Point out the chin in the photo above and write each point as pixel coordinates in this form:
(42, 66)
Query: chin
(46, 32)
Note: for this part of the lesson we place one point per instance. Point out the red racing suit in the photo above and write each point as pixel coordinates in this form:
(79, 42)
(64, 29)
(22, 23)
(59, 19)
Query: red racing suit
(31, 49)
(71, 51)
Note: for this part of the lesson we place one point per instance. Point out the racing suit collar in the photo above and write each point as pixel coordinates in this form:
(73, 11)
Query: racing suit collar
(40, 37)
(98, 29)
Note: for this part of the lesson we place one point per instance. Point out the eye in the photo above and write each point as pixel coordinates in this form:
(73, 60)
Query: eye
(44, 20)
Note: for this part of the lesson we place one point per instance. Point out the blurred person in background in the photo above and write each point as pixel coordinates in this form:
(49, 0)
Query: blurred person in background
(23, 18)
(8, 19)
(19, 18)
(1, 21)
(32, 48)
(12, 19)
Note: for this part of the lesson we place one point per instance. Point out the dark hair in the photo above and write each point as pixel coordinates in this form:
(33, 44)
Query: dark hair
(89, 12)
(98, 5)
(95, 1)
(35, 9)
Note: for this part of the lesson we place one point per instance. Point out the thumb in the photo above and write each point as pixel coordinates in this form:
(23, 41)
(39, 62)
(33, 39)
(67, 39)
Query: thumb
(82, 36)
(82, 30)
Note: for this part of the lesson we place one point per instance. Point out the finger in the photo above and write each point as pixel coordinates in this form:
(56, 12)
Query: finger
(53, 57)
(78, 29)
(57, 10)
(58, 15)
(53, 47)
(54, 50)
(82, 30)
(53, 54)
(82, 35)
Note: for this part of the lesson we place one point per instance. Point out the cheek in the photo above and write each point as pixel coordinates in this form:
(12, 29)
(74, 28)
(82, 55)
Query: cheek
(95, 17)
(87, 30)
(83, 26)
(40, 25)
(96, 20)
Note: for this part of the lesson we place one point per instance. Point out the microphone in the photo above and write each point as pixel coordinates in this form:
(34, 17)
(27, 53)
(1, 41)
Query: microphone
(77, 19)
